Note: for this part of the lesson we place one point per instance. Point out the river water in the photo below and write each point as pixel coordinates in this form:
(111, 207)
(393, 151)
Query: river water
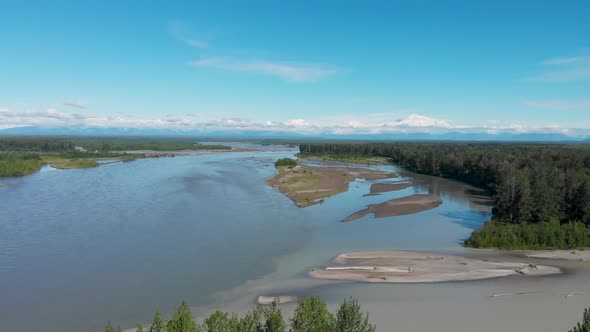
(117, 242)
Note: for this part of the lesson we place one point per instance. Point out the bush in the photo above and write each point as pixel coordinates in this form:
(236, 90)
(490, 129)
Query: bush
(285, 162)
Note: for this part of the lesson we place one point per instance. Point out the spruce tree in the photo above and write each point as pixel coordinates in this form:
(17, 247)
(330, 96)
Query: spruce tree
(351, 319)
(158, 324)
(274, 319)
(182, 320)
(312, 315)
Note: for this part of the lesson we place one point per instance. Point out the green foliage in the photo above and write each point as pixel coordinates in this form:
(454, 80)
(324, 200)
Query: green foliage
(274, 319)
(349, 318)
(584, 325)
(545, 235)
(252, 322)
(139, 328)
(312, 315)
(221, 322)
(109, 327)
(285, 162)
(158, 324)
(182, 320)
(19, 163)
(102, 144)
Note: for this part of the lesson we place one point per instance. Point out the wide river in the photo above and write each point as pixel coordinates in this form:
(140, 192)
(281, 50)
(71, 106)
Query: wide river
(117, 242)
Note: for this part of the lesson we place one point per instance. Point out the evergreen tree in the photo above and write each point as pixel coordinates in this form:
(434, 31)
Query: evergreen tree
(351, 319)
(584, 325)
(221, 322)
(158, 324)
(274, 319)
(182, 320)
(109, 327)
(312, 315)
(252, 322)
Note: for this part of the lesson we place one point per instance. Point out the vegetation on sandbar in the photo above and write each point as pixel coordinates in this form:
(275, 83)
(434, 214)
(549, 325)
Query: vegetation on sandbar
(285, 162)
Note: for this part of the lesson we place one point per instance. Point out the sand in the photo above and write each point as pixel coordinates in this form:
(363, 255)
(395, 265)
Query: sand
(378, 188)
(399, 206)
(280, 299)
(576, 255)
(413, 267)
(307, 185)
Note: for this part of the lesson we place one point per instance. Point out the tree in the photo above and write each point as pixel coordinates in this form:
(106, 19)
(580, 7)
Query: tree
(274, 319)
(182, 320)
(252, 322)
(312, 315)
(351, 319)
(584, 325)
(221, 322)
(109, 327)
(139, 328)
(157, 323)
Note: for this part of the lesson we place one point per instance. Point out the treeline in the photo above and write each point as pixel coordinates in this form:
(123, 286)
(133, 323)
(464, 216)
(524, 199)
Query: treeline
(311, 315)
(68, 143)
(540, 184)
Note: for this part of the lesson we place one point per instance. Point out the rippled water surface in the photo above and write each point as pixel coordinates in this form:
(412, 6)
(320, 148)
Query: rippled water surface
(117, 242)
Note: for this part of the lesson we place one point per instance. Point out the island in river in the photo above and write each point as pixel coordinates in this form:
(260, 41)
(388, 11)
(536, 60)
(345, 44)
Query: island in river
(308, 185)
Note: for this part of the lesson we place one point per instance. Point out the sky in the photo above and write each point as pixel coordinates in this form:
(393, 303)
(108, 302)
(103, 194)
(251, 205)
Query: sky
(309, 67)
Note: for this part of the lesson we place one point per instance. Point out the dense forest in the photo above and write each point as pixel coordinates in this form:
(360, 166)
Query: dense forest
(311, 315)
(542, 191)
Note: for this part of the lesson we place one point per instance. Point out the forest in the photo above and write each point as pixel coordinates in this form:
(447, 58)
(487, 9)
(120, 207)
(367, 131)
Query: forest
(541, 191)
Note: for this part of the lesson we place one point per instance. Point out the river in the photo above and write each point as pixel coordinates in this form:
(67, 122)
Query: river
(117, 242)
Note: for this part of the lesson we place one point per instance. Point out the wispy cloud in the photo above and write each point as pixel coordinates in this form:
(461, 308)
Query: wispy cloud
(182, 32)
(560, 104)
(74, 104)
(565, 69)
(288, 72)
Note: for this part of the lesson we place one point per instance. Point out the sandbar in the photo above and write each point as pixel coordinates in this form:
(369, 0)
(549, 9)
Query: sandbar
(307, 185)
(399, 206)
(414, 267)
(378, 188)
(279, 299)
(575, 255)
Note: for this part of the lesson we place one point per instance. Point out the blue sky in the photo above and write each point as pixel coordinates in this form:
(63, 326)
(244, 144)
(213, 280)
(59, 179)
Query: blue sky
(310, 67)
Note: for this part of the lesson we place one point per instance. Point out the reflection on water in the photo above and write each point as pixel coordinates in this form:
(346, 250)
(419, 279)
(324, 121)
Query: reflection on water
(79, 247)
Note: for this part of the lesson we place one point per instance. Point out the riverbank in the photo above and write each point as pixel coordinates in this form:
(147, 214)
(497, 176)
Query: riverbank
(414, 267)
(307, 185)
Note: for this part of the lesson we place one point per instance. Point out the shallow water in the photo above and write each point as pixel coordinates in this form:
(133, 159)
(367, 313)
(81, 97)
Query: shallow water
(80, 247)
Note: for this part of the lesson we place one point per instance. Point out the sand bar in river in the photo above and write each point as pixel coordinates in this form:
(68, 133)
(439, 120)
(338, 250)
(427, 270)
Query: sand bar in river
(413, 267)
(399, 206)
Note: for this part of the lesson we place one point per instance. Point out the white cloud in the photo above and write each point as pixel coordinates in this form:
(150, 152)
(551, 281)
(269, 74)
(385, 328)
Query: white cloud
(288, 72)
(413, 123)
(560, 104)
(566, 69)
(74, 104)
